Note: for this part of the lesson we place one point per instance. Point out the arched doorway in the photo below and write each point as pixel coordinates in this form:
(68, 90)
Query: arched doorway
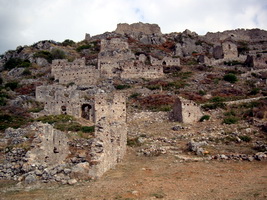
(86, 111)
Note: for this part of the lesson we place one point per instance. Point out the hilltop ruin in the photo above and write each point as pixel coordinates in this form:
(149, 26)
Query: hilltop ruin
(83, 87)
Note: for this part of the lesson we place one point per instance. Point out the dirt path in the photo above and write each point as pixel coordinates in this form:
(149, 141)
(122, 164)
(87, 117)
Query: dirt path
(162, 177)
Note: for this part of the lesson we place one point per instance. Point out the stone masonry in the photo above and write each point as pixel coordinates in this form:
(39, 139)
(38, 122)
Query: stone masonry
(186, 111)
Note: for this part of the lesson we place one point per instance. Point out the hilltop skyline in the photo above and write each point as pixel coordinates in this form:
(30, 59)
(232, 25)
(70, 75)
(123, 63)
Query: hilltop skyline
(26, 22)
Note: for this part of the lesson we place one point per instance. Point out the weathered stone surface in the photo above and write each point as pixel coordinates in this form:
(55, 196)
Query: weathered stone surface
(72, 181)
(30, 179)
(138, 28)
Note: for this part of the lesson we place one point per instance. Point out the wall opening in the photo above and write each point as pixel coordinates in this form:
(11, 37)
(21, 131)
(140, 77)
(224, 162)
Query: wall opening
(86, 111)
(63, 110)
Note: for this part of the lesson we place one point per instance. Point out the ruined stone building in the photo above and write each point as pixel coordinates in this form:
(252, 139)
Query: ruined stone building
(145, 33)
(59, 99)
(106, 110)
(166, 61)
(114, 60)
(186, 111)
(76, 72)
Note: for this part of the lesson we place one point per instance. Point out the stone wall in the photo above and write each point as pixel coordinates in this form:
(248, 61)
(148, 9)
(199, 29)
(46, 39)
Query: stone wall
(74, 72)
(186, 111)
(166, 61)
(58, 100)
(111, 132)
(229, 50)
(137, 69)
(138, 28)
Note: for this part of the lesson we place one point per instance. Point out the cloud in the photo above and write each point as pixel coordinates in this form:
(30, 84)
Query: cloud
(23, 22)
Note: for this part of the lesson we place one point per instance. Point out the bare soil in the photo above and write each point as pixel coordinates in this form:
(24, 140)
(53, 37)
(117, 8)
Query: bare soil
(162, 177)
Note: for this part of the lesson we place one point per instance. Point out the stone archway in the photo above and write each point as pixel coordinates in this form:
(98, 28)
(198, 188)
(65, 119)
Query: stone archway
(86, 111)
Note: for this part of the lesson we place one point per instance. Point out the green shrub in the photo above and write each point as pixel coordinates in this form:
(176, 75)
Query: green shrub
(122, 87)
(204, 118)
(58, 54)
(1, 80)
(217, 99)
(68, 42)
(202, 92)
(134, 95)
(88, 129)
(8, 120)
(212, 106)
(12, 85)
(44, 54)
(230, 120)
(230, 78)
(245, 138)
(82, 47)
(133, 142)
(16, 62)
(153, 87)
(233, 63)
(254, 91)
(26, 72)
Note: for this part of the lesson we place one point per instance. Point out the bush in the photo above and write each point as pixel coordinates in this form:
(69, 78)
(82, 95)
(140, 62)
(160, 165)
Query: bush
(68, 42)
(233, 63)
(212, 106)
(204, 118)
(44, 54)
(230, 120)
(230, 78)
(122, 87)
(8, 120)
(16, 62)
(134, 142)
(86, 46)
(245, 138)
(217, 99)
(254, 91)
(134, 95)
(58, 54)
(88, 129)
(26, 72)
(12, 85)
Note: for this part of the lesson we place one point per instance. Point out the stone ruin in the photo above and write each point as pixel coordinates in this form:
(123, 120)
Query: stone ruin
(145, 33)
(114, 60)
(53, 156)
(186, 111)
(74, 72)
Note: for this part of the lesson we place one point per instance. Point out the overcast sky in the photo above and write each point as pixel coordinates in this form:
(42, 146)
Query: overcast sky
(24, 22)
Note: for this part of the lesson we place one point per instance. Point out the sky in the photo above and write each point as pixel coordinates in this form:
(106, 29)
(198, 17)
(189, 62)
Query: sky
(24, 22)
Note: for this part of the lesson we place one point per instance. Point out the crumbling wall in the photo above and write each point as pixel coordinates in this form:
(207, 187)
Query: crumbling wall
(74, 72)
(137, 69)
(260, 61)
(58, 100)
(229, 50)
(111, 132)
(138, 28)
(166, 61)
(50, 146)
(186, 111)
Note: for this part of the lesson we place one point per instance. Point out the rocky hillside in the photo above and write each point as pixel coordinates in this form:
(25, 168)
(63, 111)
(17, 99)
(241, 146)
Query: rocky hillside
(225, 73)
